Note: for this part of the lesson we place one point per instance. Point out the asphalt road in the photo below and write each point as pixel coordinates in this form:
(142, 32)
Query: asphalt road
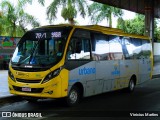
(143, 103)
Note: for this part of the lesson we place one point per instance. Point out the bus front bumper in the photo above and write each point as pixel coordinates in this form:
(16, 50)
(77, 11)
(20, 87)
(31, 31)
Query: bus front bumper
(49, 90)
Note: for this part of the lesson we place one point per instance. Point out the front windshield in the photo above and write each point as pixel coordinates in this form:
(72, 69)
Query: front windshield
(41, 46)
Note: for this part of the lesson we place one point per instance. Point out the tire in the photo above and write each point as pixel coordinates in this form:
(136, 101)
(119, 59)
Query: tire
(131, 85)
(73, 97)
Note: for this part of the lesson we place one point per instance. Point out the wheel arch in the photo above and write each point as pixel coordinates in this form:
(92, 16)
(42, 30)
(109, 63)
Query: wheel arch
(134, 77)
(80, 87)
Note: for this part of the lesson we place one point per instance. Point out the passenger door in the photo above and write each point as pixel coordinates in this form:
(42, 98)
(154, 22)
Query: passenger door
(81, 66)
(129, 66)
(115, 56)
(145, 62)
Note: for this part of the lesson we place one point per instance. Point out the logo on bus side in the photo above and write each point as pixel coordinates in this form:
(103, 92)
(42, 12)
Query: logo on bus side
(87, 71)
(116, 71)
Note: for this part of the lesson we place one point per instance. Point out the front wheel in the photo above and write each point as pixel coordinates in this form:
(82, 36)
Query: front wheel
(73, 96)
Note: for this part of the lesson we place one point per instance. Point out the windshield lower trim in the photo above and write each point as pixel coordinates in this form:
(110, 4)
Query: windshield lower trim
(27, 68)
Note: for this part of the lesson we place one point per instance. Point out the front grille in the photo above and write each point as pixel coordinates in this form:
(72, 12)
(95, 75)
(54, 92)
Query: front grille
(27, 81)
(33, 90)
(30, 69)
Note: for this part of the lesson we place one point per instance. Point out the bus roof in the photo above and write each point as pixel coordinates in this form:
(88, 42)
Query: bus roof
(103, 29)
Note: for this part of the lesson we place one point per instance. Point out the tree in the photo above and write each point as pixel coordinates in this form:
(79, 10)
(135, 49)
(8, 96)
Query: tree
(70, 8)
(14, 18)
(137, 26)
(1, 22)
(156, 31)
(99, 12)
(24, 2)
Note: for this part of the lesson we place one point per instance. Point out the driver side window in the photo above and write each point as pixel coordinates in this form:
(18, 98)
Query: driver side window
(79, 46)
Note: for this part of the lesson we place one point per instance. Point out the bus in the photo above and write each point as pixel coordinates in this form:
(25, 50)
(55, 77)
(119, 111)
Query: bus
(71, 62)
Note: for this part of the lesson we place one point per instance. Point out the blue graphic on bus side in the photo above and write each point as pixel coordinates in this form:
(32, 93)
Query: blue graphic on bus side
(116, 71)
(87, 71)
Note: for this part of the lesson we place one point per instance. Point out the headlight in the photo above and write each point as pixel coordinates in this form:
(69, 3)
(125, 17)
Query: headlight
(51, 75)
(11, 75)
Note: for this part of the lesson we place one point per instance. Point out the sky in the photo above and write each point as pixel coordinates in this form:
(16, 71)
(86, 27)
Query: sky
(39, 12)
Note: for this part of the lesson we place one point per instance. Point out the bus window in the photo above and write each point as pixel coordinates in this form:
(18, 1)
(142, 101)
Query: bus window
(79, 46)
(115, 48)
(27, 47)
(100, 47)
(127, 47)
(137, 48)
(51, 46)
(146, 48)
(56, 47)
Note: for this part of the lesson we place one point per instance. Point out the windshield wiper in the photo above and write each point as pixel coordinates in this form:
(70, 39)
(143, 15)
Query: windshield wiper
(33, 51)
(22, 61)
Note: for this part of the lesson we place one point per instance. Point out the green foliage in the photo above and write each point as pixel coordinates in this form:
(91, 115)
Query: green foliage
(70, 8)
(41, 2)
(68, 13)
(157, 34)
(1, 26)
(52, 10)
(99, 12)
(137, 26)
(157, 30)
(14, 20)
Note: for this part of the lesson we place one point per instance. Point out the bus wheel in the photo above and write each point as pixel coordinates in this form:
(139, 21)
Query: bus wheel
(131, 85)
(73, 96)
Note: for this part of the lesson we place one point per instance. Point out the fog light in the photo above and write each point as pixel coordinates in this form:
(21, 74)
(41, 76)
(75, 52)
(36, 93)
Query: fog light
(50, 92)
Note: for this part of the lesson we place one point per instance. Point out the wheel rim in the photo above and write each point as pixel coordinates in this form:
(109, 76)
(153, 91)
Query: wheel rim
(131, 85)
(73, 96)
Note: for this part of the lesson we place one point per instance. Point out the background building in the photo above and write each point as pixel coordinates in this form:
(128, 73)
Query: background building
(7, 46)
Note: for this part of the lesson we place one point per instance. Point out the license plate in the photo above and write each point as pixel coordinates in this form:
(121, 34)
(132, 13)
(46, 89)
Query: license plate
(26, 89)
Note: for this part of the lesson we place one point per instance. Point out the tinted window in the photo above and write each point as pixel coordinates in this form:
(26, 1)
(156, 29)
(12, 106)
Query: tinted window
(79, 46)
(146, 48)
(115, 45)
(128, 47)
(41, 46)
(137, 48)
(100, 47)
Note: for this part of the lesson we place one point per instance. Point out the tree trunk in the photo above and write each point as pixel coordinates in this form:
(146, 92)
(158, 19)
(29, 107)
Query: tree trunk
(14, 30)
(110, 20)
(71, 21)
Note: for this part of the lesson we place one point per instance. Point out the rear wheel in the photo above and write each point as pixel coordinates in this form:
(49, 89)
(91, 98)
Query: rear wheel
(131, 85)
(73, 97)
